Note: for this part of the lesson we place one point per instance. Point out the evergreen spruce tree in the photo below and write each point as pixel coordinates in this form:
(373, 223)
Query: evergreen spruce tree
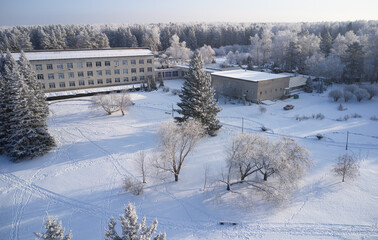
(197, 97)
(354, 62)
(131, 229)
(25, 134)
(3, 115)
(54, 230)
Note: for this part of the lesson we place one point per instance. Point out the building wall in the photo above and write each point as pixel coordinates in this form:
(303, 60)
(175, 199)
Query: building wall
(253, 90)
(272, 89)
(119, 72)
(235, 87)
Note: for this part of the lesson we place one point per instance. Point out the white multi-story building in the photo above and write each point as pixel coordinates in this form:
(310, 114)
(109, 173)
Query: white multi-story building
(60, 70)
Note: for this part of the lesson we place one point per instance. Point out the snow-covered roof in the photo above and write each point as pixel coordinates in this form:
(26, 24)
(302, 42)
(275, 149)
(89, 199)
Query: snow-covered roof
(247, 75)
(90, 53)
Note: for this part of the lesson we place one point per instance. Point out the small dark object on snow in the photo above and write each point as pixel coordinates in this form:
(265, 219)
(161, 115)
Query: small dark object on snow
(288, 107)
(264, 129)
(319, 136)
(228, 223)
(295, 96)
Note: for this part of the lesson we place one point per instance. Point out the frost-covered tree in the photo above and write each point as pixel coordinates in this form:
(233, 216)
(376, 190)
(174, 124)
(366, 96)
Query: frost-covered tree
(346, 166)
(207, 53)
(197, 97)
(309, 87)
(361, 94)
(176, 143)
(131, 229)
(54, 230)
(177, 50)
(108, 102)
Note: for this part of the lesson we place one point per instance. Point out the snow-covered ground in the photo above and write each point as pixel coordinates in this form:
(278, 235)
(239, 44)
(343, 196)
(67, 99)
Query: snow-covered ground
(80, 182)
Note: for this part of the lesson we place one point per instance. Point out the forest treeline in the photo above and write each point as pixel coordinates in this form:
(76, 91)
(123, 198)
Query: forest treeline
(346, 51)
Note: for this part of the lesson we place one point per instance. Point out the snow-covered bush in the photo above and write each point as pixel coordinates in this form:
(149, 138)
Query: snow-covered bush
(335, 94)
(343, 118)
(54, 230)
(262, 109)
(350, 88)
(132, 185)
(374, 118)
(361, 94)
(175, 91)
(346, 166)
(355, 115)
(340, 107)
(131, 229)
(319, 116)
(372, 90)
(348, 95)
(165, 89)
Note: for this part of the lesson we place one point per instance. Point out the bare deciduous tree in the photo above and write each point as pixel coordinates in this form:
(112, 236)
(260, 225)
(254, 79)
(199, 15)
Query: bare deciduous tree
(175, 144)
(141, 161)
(107, 102)
(123, 100)
(346, 166)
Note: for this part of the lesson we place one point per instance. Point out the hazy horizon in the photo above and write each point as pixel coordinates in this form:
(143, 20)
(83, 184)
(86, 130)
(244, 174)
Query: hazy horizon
(45, 12)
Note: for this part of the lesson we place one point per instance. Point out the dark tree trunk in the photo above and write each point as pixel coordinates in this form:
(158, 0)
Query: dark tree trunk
(265, 176)
(176, 177)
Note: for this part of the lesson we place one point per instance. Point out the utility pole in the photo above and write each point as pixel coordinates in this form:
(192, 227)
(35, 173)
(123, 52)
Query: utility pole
(346, 146)
(173, 111)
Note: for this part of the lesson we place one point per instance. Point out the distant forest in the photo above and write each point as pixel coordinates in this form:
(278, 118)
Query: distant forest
(341, 51)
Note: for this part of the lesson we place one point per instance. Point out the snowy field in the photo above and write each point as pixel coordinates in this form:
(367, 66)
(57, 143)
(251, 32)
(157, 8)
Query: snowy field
(80, 181)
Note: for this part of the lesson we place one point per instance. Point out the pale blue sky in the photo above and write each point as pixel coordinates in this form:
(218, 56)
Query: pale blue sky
(33, 12)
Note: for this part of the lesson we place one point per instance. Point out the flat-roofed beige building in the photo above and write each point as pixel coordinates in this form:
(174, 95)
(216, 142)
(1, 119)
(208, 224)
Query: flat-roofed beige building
(254, 86)
(61, 70)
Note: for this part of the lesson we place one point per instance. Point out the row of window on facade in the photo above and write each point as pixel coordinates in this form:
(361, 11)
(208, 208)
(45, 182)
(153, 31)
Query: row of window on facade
(168, 74)
(271, 90)
(99, 82)
(90, 64)
(51, 76)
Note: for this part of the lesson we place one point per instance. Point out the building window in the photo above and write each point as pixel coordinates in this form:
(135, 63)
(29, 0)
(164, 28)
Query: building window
(69, 65)
(99, 81)
(108, 80)
(133, 61)
(61, 75)
(141, 70)
(141, 61)
(108, 72)
(71, 75)
(98, 64)
(125, 71)
(125, 62)
(43, 86)
(116, 71)
(133, 79)
(99, 72)
(260, 93)
(90, 82)
(90, 73)
(72, 84)
(133, 70)
(149, 69)
(50, 76)
(149, 77)
(167, 74)
(149, 61)
(49, 66)
(38, 67)
(89, 64)
(175, 73)
(51, 85)
(107, 63)
(59, 66)
(125, 79)
(141, 78)
(81, 83)
(62, 84)
(79, 65)
(116, 63)
(117, 80)
(80, 74)
(40, 76)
